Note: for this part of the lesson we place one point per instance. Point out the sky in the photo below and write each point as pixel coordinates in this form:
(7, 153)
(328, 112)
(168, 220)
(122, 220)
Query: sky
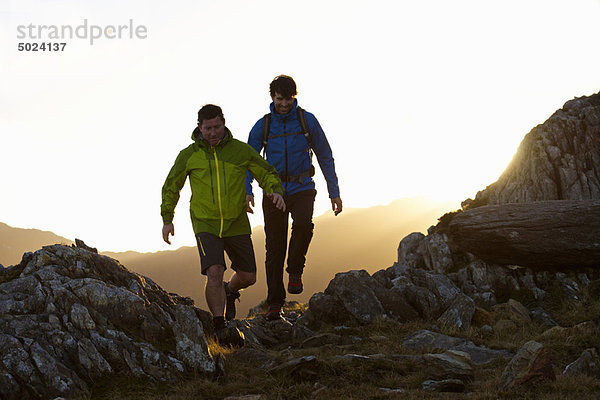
(428, 98)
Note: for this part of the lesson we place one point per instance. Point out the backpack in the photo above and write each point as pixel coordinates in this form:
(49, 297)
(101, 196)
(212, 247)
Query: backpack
(302, 119)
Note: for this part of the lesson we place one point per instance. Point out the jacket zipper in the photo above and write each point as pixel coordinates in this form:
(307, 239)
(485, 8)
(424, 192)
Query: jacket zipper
(218, 190)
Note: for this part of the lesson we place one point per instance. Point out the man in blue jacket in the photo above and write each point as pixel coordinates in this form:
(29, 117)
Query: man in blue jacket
(289, 136)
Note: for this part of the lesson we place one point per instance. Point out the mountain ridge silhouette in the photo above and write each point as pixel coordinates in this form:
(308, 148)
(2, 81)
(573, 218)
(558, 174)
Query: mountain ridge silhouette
(340, 243)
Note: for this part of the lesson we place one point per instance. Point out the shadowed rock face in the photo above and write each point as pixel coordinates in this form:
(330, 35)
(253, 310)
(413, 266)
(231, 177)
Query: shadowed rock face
(68, 315)
(558, 160)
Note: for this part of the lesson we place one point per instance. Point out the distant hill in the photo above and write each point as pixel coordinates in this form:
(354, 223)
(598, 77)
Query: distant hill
(16, 241)
(356, 239)
(365, 238)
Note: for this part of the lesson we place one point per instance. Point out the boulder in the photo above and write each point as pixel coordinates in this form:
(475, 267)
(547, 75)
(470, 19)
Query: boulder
(408, 251)
(428, 340)
(436, 253)
(69, 315)
(459, 314)
(543, 234)
(530, 365)
(514, 311)
(451, 364)
(353, 289)
(329, 308)
(588, 363)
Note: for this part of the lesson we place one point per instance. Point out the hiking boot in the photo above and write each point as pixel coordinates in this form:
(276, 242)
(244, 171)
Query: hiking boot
(231, 298)
(295, 284)
(273, 313)
(230, 336)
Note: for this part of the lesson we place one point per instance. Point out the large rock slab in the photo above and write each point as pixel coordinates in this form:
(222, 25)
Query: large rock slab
(544, 234)
(68, 315)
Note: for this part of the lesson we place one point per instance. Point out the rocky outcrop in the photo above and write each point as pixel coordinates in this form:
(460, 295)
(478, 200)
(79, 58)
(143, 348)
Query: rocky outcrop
(558, 160)
(69, 315)
(544, 234)
(397, 292)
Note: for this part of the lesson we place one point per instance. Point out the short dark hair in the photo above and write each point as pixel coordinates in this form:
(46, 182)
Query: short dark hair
(210, 111)
(284, 85)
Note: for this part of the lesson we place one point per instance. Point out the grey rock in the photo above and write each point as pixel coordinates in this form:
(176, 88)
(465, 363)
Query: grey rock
(408, 251)
(436, 253)
(439, 284)
(542, 318)
(301, 332)
(423, 300)
(71, 315)
(459, 314)
(291, 366)
(452, 364)
(530, 365)
(329, 308)
(320, 340)
(427, 340)
(445, 385)
(557, 160)
(353, 289)
(588, 363)
(390, 390)
(395, 304)
(514, 311)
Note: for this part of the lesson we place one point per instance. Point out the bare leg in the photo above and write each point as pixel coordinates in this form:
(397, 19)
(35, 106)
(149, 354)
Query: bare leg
(241, 280)
(214, 291)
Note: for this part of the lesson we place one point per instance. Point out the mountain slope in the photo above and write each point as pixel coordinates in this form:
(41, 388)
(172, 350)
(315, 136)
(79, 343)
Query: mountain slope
(16, 241)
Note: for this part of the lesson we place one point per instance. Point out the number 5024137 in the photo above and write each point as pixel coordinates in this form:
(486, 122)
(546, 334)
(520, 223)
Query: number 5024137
(44, 46)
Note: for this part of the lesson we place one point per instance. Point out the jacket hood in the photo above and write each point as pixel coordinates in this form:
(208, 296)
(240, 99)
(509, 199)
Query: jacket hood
(284, 116)
(197, 137)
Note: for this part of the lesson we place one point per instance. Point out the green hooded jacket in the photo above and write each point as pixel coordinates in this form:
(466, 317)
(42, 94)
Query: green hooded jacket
(218, 182)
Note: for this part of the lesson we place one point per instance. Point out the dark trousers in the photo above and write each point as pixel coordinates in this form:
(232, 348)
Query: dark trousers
(300, 205)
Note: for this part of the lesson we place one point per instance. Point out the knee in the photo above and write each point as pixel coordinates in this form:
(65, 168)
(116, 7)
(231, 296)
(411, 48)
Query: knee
(303, 225)
(247, 279)
(251, 280)
(214, 275)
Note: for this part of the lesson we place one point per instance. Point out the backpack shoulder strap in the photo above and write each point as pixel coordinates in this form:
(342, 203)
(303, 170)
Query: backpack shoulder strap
(302, 119)
(266, 129)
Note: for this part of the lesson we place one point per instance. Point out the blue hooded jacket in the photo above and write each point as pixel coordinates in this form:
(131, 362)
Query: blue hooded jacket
(289, 153)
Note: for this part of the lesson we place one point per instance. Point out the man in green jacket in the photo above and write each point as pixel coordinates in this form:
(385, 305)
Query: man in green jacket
(216, 164)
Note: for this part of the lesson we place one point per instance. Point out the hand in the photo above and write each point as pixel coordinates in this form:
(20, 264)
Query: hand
(249, 201)
(168, 229)
(336, 205)
(277, 200)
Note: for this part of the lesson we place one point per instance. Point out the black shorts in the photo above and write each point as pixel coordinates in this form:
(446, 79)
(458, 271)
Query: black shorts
(239, 249)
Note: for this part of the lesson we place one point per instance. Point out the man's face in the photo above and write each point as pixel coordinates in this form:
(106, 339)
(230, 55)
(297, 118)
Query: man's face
(283, 105)
(212, 130)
